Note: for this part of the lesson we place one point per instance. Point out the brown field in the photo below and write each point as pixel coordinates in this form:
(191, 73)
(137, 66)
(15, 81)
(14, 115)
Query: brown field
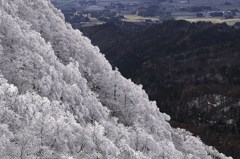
(213, 20)
(136, 18)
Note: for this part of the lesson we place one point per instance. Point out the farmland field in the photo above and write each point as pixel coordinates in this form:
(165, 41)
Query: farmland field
(136, 18)
(213, 20)
(215, 4)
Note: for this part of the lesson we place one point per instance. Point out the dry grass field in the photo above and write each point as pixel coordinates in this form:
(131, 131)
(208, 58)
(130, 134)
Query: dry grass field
(136, 18)
(213, 20)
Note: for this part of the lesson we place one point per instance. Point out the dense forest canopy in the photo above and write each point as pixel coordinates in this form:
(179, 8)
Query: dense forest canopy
(60, 98)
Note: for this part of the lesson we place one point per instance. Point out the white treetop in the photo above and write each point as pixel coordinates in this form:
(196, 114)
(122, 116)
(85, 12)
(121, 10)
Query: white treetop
(60, 98)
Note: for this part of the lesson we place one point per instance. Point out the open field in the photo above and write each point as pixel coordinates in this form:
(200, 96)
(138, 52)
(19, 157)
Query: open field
(213, 20)
(136, 18)
(214, 4)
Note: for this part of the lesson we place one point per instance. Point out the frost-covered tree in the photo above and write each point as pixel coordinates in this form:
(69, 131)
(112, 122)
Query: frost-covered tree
(60, 98)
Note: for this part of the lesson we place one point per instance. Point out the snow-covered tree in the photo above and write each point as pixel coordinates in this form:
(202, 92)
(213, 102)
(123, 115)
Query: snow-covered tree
(60, 97)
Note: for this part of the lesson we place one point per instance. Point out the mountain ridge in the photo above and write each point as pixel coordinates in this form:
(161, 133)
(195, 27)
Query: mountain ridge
(67, 101)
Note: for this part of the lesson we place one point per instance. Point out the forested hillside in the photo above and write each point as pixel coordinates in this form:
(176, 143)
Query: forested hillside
(60, 98)
(191, 69)
(170, 58)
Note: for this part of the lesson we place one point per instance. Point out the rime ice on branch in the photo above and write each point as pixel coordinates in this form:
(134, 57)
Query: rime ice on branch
(60, 98)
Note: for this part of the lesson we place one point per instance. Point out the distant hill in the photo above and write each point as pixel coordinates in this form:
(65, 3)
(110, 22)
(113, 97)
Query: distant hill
(192, 70)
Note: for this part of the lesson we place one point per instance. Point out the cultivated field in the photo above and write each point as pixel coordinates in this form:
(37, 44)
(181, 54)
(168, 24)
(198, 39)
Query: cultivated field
(136, 18)
(213, 20)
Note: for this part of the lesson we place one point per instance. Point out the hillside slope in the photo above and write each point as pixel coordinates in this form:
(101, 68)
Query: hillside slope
(60, 98)
(191, 69)
(171, 58)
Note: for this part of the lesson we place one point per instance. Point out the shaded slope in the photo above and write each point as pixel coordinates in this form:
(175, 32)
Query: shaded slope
(191, 70)
(172, 58)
